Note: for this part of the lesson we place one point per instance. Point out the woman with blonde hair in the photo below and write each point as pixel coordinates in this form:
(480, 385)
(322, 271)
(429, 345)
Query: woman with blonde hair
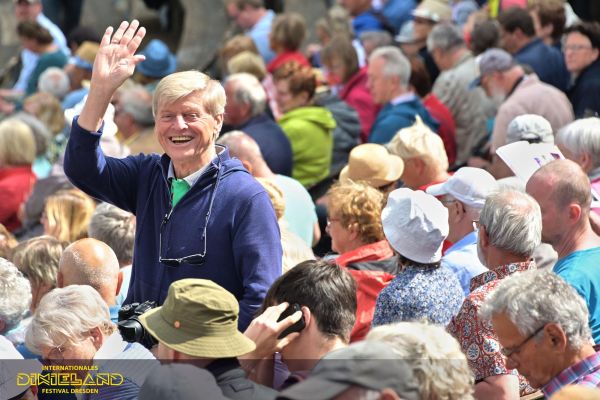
(354, 224)
(67, 215)
(17, 154)
(37, 259)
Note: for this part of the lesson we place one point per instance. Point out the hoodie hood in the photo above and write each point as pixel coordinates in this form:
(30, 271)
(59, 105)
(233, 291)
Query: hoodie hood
(316, 115)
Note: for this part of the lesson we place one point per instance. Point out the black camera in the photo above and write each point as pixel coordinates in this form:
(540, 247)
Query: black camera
(130, 326)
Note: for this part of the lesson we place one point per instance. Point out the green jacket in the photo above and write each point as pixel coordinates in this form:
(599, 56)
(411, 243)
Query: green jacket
(310, 132)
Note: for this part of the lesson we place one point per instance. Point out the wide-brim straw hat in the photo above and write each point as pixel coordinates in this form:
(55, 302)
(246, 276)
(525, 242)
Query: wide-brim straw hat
(373, 164)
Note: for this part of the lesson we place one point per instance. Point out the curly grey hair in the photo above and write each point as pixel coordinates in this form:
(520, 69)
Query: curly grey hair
(436, 358)
(532, 299)
(15, 295)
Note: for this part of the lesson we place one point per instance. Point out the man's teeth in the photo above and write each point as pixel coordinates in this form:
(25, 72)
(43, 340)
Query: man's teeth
(181, 139)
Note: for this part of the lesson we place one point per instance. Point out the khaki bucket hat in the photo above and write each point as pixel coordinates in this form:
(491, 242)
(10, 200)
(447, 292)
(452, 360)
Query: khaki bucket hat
(373, 164)
(198, 318)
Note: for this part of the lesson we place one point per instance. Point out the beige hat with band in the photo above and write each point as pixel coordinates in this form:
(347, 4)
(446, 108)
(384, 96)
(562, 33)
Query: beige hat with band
(373, 164)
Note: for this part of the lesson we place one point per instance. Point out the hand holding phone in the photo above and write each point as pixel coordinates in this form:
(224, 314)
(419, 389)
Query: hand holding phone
(298, 326)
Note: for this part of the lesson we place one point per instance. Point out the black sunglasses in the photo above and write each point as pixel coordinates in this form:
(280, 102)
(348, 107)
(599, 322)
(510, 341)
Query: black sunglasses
(193, 259)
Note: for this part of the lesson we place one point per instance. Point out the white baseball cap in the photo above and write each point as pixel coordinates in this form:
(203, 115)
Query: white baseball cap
(471, 186)
(11, 365)
(415, 224)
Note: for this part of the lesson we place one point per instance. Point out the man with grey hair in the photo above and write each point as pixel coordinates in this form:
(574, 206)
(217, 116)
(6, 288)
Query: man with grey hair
(563, 192)
(510, 226)
(470, 108)
(387, 80)
(55, 81)
(245, 111)
(116, 228)
(15, 298)
(299, 213)
(134, 118)
(518, 93)
(580, 141)
(91, 262)
(464, 194)
(542, 327)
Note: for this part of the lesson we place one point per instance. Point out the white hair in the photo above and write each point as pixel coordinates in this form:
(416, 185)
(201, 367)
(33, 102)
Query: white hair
(513, 222)
(534, 298)
(395, 63)
(15, 295)
(66, 316)
(137, 102)
(248, 90)
(445, 36)
(582, 136)
(435, 357)
(55, 81)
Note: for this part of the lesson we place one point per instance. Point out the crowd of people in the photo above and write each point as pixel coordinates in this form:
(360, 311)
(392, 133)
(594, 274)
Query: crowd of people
(407, 209)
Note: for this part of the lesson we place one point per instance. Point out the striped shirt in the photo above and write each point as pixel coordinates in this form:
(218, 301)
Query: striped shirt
(585, 372)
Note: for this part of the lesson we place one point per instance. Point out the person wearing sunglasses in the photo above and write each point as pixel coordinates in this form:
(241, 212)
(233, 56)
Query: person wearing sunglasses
(199, 213)
(542, 327)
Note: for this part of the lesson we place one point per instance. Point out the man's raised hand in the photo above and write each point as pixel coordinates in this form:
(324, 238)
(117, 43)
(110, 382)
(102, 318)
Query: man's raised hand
(116, 58)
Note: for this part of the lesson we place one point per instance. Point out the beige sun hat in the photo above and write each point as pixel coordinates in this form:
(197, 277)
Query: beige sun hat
(373, 164)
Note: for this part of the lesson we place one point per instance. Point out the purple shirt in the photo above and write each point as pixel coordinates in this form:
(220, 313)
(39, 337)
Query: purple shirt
(586, 373)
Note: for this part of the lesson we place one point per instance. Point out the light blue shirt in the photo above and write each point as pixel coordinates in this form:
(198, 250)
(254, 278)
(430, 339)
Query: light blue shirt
(124, 286)
(260, 35)
(29, 59)
(299, 214)
(581, 269)
(461, 258)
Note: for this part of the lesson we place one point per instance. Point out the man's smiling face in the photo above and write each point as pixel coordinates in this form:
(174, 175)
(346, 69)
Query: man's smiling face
(186, 132)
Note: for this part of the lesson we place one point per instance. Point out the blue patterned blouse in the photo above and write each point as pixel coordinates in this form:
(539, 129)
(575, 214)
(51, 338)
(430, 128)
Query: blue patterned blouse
(420, 293)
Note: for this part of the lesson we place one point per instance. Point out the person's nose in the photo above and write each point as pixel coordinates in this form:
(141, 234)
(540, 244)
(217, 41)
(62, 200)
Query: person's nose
(180, 122)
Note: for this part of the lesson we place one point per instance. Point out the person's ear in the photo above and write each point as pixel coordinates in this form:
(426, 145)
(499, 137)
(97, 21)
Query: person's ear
(484, 239)
(119, 282)
(308, 319)
(353, 229)
(585, 161)
(419, 165)
(575, 212)
(556, 337)
(218, 125)
(2, 325)
(97, 337)
(248, 166)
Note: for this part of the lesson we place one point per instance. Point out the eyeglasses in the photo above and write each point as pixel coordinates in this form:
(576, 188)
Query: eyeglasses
(576, 47)
(56, 354)
(516, 349)
(193, 259)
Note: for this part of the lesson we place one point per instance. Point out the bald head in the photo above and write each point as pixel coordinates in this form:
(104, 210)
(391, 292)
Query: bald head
(91, 262)
(243, 147)
(567, 182)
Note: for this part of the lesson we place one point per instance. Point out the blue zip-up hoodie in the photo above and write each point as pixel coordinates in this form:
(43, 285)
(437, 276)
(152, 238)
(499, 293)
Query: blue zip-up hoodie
(392, 118)
(243, 245)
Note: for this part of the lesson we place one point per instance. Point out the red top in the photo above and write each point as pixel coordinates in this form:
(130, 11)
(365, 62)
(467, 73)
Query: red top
(447, 129)
(285, 58)
(358, 96)
(15, 186)
(368, 283)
